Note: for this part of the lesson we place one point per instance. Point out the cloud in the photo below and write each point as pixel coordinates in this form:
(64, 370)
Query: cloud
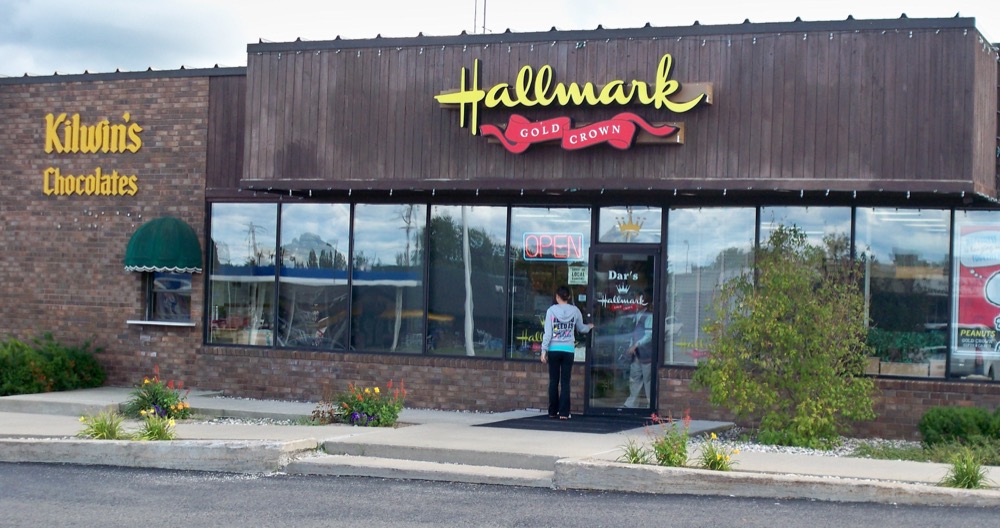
(43, 36)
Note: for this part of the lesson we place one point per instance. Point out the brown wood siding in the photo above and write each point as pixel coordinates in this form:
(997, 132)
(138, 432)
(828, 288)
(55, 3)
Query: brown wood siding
(226, 127)
(862, 109)
(986, 115)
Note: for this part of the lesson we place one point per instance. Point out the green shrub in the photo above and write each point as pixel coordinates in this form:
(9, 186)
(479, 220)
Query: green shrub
(45, 365)
(158, 398)
(966, 471)
(105, 425)
(957, 424)
(363, 406)
(788, 342)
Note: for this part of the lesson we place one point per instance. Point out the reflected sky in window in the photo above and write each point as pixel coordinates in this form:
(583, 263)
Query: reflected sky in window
(384, 232)
(815, 222)
(887, 233)
(238, 227)
(697, 236)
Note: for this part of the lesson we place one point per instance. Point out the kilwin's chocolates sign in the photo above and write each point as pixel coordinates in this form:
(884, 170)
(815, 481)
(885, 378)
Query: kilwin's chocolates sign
(538, 89)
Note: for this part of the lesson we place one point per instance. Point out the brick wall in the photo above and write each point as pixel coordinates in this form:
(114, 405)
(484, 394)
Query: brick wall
(61, 268)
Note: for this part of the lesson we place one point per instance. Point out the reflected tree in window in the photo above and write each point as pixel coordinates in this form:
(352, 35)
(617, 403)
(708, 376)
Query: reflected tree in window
(466, 316)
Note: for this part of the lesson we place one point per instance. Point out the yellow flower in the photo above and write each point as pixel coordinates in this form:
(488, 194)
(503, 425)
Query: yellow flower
(367, 390)
(145, 381)
(718, 456)
(83, 418)
(736, 451)
(376, 390)
(714, 437)
(171, 422)
(142, 412)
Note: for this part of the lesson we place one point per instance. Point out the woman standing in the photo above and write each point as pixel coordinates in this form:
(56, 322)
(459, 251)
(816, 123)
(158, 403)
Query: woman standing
(562, 320)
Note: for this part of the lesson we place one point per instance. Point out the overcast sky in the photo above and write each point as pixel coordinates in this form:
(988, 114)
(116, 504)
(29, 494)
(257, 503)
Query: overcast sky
(40, 37)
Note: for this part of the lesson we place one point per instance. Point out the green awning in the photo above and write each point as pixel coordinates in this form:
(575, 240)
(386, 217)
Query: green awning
(164, 244)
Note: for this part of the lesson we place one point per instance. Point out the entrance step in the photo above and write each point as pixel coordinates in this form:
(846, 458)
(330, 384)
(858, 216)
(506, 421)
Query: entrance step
(395, 468)
(451, 455)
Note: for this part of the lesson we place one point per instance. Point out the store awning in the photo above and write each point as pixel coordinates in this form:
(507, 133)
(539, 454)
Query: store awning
(164, 244)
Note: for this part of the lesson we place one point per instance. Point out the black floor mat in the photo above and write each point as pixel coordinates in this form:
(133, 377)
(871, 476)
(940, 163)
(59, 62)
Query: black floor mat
(577, 424)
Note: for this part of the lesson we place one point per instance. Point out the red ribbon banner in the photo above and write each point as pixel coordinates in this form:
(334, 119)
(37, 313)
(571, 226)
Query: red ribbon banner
(619, 132)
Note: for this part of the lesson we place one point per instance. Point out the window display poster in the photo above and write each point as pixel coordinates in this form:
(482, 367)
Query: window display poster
(978, 287)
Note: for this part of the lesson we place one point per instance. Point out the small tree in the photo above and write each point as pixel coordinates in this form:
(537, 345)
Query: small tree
(788, 343)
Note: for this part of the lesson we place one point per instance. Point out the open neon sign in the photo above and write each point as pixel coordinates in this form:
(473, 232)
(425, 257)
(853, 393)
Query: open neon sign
(553, 246)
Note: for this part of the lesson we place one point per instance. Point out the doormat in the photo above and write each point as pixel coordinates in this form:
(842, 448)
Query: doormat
(579, 423)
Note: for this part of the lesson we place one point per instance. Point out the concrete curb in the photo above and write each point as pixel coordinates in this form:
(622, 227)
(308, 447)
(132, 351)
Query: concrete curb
(246, 456)
(379, 467)
(614, 476)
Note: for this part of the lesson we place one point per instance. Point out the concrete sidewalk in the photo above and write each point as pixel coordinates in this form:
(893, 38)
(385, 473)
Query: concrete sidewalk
(442, 445)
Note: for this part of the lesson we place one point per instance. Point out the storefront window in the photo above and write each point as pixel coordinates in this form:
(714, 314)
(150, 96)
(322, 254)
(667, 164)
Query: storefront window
(387, 278)
(906, 270)
(828, 228)
(169, 296)
(312, 278)
(241, 279)
(549, 247)
(630, 225)
(467, 293)
(975, 351)
(705, 248)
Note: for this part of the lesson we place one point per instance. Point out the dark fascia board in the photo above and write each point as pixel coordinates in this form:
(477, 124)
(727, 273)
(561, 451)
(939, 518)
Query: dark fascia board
(645, 32)
(120, 75)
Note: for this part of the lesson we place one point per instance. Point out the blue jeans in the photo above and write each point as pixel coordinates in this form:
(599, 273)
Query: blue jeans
(560, 370)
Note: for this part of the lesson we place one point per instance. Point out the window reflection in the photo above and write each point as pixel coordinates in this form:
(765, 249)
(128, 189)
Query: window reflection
(170, 296)
(387, 278)
(241, 278)
(312, 278)
(905, 255)
(548, 247)
(705, 248)
(467, 293)
(822, 226)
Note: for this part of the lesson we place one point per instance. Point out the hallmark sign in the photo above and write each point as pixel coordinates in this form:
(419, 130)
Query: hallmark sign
(539, 89)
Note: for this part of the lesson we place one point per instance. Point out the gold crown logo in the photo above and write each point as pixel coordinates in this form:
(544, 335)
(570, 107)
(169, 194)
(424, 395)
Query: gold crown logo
(629, 227)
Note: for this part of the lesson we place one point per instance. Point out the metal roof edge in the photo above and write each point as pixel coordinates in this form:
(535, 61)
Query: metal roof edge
(150, 73)
(647, 31)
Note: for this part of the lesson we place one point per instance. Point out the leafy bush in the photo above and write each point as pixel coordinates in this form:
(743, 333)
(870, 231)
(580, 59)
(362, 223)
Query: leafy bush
(45, 365)
(788, 343)
(961, 424)
(153, 396)
(367, 406)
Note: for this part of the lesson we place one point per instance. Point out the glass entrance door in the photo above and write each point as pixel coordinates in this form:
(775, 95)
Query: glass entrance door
(625, 346)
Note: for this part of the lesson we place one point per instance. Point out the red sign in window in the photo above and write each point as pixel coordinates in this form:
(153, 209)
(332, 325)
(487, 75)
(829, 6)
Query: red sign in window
(553, 246)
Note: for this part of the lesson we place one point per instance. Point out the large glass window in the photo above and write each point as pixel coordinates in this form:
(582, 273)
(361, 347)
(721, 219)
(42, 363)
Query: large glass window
(975, 336)
(824, 227)
(241, 277)
(467, 294)
(705, 248)
(549, 247)
(905, 255)
(312, 279)
(629, 224)
(387, 278)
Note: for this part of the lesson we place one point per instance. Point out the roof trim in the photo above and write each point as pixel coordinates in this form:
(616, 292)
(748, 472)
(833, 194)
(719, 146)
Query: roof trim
(647, 31)
(150, 73)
